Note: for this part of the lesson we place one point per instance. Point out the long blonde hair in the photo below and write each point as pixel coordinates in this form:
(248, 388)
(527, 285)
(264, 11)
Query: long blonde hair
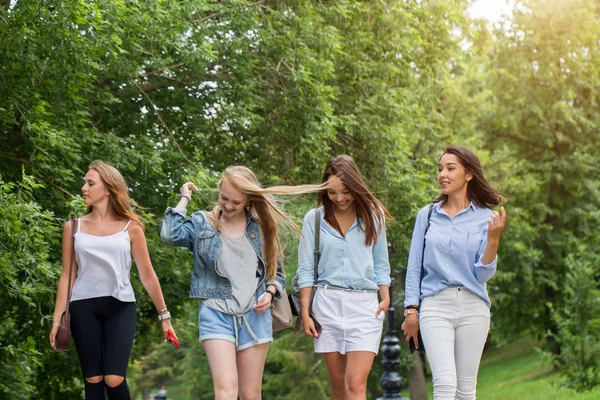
(262, 206)
(119, 200)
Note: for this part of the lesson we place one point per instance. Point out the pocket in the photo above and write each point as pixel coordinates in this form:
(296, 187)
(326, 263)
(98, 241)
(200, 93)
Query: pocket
(206, 234)
(471, 241)
(205, 239)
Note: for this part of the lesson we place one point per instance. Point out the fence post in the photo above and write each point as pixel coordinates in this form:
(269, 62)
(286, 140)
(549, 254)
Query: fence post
(391, 380)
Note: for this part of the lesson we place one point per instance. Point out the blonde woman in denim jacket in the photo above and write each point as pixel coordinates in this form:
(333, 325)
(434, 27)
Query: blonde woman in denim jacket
(237, 273)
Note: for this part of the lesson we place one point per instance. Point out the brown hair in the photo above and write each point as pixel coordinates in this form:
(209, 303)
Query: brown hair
(119, 200)
(368, 209)
(263, 207)
(479, 191)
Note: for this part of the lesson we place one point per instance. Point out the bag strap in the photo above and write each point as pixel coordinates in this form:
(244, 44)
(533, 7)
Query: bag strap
(73, 222)
(316, 249)
(424, 241)
(316, 255)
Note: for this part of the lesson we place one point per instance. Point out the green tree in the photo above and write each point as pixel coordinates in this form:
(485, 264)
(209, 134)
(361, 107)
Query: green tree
(172, 91)
(528, 95)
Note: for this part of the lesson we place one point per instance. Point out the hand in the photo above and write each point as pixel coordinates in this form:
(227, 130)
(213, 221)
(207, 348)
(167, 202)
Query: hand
(264, 302)
(411, 331)
(309, 326)
(186, 187)
(53, 334)
(383, 306)
(496, 225)
(166, 327)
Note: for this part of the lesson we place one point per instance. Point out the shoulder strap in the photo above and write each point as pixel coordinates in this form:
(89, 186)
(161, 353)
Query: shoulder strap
(424, 242)
(316, 247)
(126, 226)
(74, 222)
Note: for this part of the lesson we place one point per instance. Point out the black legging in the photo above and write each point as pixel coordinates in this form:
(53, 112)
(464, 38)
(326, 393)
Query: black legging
(103, 329)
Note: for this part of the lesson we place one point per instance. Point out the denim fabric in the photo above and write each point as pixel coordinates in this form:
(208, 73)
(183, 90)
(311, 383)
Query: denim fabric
(244, 330)
(197, 235)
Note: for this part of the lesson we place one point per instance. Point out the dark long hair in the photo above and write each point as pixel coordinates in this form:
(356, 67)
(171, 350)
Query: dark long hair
(370, 212)
(479, 191)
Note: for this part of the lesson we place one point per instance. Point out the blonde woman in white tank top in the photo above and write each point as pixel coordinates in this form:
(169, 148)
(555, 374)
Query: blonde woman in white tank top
(102, 305)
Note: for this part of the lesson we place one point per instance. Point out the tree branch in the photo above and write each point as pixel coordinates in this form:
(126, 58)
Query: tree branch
(154, 108)
(65, 191)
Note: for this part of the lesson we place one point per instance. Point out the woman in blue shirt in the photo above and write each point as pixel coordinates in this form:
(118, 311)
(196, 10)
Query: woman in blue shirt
(459, 257)
(353, 266)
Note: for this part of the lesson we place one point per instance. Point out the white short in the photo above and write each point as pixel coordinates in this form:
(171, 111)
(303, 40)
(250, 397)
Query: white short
(348, 320)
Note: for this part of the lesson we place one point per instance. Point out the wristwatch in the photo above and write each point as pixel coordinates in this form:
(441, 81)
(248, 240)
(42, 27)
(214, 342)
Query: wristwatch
(166, 315)
(408, 311)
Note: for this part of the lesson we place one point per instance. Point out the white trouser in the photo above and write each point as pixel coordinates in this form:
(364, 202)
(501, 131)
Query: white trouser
(454, 326)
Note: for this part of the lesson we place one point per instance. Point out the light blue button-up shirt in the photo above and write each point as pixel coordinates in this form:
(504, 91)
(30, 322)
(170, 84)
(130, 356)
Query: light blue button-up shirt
(453, 252)
(344, 262)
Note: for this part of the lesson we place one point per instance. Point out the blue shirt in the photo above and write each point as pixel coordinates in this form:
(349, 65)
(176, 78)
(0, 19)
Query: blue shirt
(344, 262)
(453, 252)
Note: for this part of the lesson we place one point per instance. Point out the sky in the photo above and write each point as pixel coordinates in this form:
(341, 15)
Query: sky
(491, 10)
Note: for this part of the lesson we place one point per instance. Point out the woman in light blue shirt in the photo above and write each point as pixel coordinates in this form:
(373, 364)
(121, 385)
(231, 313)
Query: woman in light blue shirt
(353, 266)
(452, 256)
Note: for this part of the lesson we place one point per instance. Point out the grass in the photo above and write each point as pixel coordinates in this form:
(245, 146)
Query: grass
(517, 371)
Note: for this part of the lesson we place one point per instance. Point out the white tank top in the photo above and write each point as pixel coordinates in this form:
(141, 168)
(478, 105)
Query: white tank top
(104, 264)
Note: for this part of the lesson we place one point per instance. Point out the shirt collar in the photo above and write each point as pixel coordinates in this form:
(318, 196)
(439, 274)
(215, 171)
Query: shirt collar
(437, 206)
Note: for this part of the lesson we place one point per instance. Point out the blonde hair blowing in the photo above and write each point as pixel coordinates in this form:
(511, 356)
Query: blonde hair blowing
(262, 206)
(119, 200)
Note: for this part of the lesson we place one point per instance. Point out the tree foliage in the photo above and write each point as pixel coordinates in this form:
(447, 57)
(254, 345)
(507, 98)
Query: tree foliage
(175, 91)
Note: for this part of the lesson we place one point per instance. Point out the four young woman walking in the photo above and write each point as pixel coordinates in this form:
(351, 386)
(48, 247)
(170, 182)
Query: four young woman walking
(238, 273)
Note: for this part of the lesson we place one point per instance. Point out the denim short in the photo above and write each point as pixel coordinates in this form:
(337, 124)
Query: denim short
(246, 330)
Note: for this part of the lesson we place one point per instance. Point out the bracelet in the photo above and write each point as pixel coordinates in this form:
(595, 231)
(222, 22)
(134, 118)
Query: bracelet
(186, 196)
(164, 310)
(272, 293)
(166, 315)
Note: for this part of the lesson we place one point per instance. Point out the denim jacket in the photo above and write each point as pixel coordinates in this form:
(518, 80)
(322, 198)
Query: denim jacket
(198, 235)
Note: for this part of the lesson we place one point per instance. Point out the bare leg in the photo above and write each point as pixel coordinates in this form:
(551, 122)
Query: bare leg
(358, 367)
(221, 356)
(250, 367)
(336, 369)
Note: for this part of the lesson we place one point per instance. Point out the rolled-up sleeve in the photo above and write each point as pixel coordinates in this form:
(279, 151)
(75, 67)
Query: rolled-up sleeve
(381, 261)
(279, 280)
(412, 283)
(176, 230)
(306, 246)
(484, 272)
